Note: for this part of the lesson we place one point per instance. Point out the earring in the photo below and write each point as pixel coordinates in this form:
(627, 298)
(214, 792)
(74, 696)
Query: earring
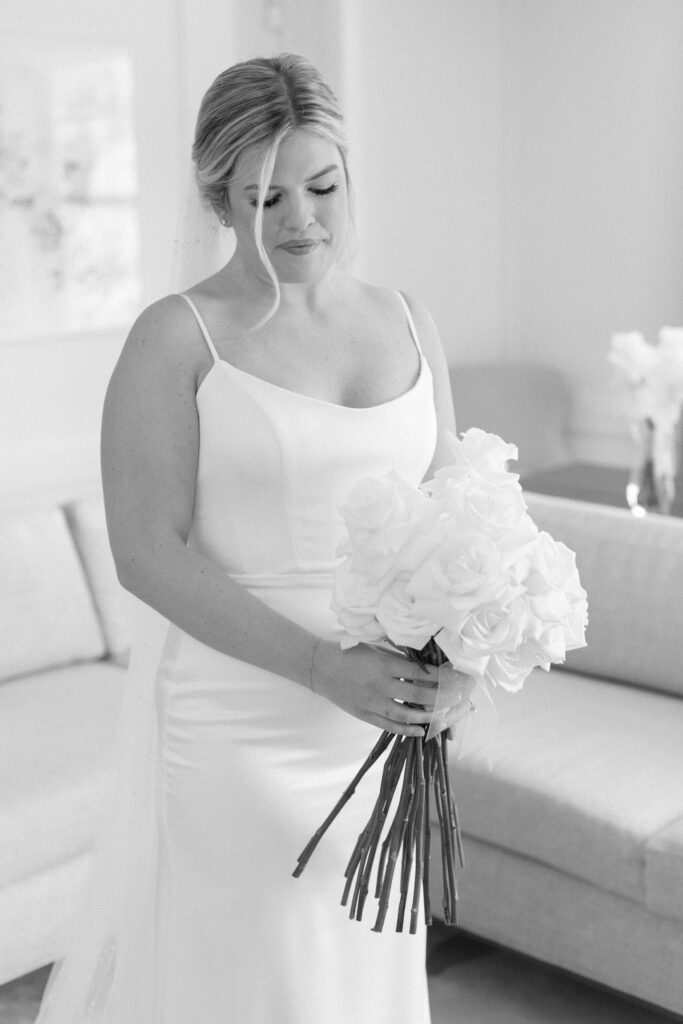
(223, 222)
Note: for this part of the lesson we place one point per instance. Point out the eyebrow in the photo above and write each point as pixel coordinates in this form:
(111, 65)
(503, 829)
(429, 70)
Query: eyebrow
(320, 174)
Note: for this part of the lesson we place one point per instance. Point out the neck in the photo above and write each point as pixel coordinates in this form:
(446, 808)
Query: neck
(306, 298)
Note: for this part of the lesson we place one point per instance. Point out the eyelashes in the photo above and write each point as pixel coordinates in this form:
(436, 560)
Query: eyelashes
(274, 200)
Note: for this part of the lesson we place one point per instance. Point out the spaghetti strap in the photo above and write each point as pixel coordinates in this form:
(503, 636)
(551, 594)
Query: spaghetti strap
(202, 326)
(411, 323)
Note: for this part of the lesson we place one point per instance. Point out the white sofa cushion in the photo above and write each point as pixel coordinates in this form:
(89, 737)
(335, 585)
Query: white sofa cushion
(47, 616)
(585, 772)
(547, 914)
(35, 917)
(115, 605)
(56, 737)
(632, 571)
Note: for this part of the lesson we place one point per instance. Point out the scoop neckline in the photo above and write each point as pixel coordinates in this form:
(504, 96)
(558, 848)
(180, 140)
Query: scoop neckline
(298, 395)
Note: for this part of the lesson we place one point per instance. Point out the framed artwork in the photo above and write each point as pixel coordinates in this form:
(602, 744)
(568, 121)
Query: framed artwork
(69, 225)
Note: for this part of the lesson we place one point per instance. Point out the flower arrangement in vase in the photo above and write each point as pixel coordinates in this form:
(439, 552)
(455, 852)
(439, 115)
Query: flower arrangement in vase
(651, 379)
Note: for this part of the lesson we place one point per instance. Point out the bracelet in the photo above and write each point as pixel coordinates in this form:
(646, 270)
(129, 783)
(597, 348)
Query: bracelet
(310, 664)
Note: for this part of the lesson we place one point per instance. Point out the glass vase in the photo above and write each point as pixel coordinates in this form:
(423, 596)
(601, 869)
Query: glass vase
(652, 481)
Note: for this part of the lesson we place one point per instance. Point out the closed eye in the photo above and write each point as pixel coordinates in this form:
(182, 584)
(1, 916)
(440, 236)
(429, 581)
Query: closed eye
(273, 200)
(325, 191)
(267, 203)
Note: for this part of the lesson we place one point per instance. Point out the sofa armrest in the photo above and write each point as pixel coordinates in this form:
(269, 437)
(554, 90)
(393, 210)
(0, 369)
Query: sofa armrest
(632, 570)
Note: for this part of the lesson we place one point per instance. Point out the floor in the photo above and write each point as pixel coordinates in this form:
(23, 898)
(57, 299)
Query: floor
(471, 982)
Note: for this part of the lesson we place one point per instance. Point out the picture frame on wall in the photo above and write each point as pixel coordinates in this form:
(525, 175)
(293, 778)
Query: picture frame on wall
(69, 219)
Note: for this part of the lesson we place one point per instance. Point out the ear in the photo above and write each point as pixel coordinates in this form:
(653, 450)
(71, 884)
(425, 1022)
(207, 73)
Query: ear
(222, 209)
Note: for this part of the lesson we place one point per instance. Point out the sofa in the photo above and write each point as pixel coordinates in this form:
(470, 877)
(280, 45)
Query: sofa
(64, 641)
(572, 818)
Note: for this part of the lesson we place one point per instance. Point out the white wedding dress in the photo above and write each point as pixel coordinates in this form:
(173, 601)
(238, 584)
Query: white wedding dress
(210, 926)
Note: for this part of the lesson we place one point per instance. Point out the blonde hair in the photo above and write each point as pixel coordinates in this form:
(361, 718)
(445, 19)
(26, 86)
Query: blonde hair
(258, 103)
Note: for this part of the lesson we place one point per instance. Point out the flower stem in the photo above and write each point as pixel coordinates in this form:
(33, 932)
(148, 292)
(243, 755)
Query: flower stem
(417, 770)
(376, 752)
(427, 834)
(388, 784)
(420, 835)
(447, 838)
(396, 834)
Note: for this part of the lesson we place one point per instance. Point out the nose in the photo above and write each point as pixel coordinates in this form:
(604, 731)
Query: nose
(299, 212)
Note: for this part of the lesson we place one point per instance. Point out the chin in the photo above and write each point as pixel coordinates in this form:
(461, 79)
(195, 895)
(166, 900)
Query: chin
(302, 269)
(302, 275)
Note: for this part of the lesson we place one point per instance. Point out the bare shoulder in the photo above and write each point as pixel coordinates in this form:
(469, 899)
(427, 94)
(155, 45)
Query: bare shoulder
(164, 341)
(425, 327)
(386, 303)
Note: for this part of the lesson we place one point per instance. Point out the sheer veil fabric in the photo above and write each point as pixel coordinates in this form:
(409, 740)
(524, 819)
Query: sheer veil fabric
(201, 245)
(99, 980)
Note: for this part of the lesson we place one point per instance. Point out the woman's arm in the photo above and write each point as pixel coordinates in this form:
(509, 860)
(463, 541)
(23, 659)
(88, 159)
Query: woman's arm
(150, 444)
(434, 354)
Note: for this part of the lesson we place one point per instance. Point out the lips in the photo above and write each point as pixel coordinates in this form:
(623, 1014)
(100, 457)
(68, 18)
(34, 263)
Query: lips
(301, 247)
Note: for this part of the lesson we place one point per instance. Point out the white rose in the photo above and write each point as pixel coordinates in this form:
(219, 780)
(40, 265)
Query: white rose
(671, 350)
(355, 591)
(451, 644)
(552, 566)
(632, 355)
(479, 462)
(556, 597)
(388, 521)
(354, 600)
(481, 450)
(372, 503)
(402, 622)
(493, 504)
(510, 669)
(463, 572)
(399, 547)
(494, 628)
(670, 388)
(449, 481)
(487, 636)
(359, 629)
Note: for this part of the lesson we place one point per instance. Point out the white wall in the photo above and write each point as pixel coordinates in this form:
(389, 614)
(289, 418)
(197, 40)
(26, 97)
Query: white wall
(520, 164)
(591, 112)
(422, 102)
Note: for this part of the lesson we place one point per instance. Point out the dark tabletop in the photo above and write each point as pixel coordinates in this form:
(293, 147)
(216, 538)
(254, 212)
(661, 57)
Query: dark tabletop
(587, 481)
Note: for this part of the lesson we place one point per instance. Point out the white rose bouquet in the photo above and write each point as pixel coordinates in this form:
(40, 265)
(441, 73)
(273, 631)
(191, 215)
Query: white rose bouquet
(453, 571)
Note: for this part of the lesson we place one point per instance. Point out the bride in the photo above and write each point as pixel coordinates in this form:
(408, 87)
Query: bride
(238, 417)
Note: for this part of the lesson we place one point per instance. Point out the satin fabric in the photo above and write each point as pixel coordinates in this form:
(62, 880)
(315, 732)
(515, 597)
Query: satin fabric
(226, 770)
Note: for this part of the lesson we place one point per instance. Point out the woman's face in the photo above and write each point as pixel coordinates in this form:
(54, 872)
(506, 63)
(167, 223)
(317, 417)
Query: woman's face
(305, 211)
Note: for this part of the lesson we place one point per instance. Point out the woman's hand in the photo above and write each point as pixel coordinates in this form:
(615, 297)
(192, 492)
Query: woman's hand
(389, 691)
(454, 700)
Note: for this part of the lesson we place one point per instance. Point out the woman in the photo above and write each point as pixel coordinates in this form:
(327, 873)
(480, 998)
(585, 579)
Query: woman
(238, 417)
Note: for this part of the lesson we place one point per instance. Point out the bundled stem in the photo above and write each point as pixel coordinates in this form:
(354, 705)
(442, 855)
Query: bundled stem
(414, 767)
